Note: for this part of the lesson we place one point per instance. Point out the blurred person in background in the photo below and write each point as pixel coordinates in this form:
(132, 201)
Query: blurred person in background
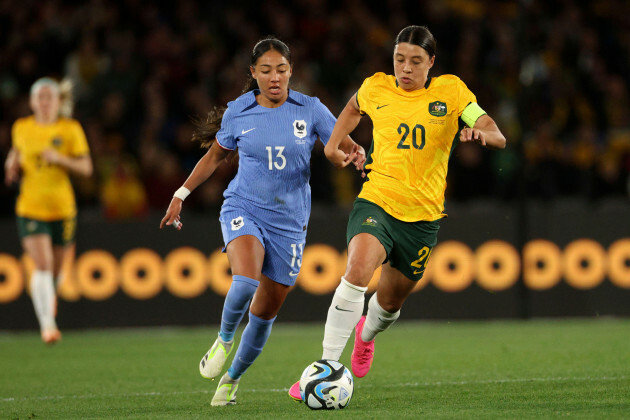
(267, 205)
(46, 147)
(123, 194)
(395, 220)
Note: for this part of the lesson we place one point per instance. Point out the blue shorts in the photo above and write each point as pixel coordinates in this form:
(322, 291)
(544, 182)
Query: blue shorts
(283, 254)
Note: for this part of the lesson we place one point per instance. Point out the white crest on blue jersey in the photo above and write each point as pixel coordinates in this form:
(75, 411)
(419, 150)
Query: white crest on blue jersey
(237, 223)
(299, 128)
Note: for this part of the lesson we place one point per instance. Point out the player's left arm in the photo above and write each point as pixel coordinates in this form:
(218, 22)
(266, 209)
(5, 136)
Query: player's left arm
(481, 127)
(485, 132)
(81, 165)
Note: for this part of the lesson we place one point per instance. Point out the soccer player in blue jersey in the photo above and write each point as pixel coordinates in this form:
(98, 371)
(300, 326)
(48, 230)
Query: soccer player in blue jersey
(267, 205)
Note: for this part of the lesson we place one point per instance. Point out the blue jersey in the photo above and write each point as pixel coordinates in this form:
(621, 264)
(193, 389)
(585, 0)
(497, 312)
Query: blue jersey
(274, 147)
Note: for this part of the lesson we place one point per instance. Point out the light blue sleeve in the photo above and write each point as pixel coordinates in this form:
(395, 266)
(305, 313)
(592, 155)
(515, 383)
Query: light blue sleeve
(225, 135)
(324, 120)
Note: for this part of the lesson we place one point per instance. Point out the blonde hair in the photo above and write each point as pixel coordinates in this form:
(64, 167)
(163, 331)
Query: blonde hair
(62, 88)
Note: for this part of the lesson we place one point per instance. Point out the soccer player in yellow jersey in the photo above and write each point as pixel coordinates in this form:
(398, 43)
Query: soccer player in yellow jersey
(394, 222)
(46, 147)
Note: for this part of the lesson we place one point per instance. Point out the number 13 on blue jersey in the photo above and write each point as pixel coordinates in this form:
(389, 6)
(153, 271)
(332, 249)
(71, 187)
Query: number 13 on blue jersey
(273, 162)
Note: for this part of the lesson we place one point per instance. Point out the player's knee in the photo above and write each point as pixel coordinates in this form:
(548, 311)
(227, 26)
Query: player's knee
(43, 264)
(264, 312)
(391, 307)
(360, 268)
(358, 275)
(389, 304)
(266, 307)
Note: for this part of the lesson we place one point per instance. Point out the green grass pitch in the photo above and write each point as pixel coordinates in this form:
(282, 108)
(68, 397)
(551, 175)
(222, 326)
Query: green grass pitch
(577, 368)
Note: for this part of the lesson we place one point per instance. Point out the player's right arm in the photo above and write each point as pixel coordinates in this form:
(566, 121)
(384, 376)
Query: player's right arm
(346, 123)
(12, 166)
(203, 170)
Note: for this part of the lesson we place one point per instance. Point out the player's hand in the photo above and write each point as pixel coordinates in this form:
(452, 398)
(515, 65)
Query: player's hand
(472, 134)
(172, 214)
(11, 175)
(339, 158)
(51, 156)
(12, 167)
(359, 159)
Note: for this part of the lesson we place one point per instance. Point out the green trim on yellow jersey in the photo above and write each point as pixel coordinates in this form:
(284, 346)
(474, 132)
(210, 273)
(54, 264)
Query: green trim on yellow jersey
(472, 113)
(356, 98)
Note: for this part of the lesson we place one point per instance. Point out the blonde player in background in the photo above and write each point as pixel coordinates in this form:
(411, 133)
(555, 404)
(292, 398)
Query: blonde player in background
(47, 146)
(395, 220)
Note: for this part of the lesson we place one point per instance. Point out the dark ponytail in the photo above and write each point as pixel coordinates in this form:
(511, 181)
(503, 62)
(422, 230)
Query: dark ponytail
(206, 129)
(420, 36)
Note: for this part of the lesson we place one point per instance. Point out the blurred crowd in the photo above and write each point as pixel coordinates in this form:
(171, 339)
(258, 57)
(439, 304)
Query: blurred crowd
(554, 75)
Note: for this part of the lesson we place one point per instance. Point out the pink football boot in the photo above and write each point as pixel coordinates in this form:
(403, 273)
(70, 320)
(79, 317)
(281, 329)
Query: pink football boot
(363, 353)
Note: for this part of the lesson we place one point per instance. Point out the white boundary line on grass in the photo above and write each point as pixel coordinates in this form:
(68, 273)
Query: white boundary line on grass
(368, 385)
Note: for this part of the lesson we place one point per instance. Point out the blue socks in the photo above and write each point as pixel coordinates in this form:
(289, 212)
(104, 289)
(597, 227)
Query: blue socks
(252, 342)
(235, 305)
(256, 332)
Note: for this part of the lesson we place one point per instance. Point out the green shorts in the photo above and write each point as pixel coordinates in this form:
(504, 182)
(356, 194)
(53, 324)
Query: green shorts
(408, 244)
(62, 232)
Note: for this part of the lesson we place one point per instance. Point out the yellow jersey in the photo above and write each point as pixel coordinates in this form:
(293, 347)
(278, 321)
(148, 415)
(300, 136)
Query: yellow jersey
(414, 133)
(45, 190)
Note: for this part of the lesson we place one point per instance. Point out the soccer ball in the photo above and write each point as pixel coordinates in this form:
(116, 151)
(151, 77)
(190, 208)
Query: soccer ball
(326, 385)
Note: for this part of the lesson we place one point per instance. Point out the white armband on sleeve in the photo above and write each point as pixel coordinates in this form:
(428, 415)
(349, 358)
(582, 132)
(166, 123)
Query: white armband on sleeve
(472, 113)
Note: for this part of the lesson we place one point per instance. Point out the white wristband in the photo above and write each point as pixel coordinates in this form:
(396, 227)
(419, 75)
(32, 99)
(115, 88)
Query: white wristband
(182, 193)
